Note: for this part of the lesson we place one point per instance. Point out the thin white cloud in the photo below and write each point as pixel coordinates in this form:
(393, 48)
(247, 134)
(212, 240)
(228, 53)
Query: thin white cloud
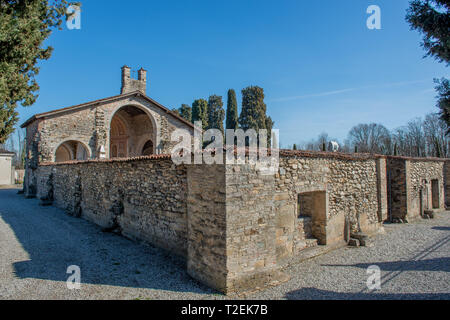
(322, 94)
(335, 92)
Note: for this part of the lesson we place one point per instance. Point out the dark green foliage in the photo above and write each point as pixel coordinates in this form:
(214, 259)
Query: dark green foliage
(232, 121)
(443, 103)
(24, 26)
(432, 18)
(269, 127)
(294, 147)
(253, 114)
(200, 112)
(175, 110)
(186, 112)
(216, 114)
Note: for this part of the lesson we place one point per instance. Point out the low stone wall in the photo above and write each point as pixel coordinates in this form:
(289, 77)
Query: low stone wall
(144, 199)
(421, 176)
(343, 190)
(415, 185)
(237, 227)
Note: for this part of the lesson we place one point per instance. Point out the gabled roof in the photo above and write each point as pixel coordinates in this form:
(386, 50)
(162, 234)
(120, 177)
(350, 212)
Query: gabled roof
(91, 103)
(4, 151)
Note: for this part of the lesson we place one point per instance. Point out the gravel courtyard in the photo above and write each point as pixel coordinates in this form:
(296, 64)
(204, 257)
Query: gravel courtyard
(39, 243)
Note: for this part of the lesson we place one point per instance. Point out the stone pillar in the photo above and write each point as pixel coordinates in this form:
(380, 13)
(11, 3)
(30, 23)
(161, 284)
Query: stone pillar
(447, 182)
(231, 228)
(207, 247)
(382, 190)
(100, 134)
(397, 188)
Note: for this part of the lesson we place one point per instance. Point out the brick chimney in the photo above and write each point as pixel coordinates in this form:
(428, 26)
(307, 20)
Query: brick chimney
(130, 85)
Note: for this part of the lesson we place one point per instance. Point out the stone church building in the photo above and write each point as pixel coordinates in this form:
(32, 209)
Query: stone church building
(127, 125)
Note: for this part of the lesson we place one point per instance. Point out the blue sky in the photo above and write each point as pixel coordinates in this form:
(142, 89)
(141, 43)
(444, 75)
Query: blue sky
(321, 68)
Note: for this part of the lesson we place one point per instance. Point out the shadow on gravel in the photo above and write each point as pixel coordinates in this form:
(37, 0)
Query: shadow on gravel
(318, 294)
(435, 264)
(54, 241)
(441, 228)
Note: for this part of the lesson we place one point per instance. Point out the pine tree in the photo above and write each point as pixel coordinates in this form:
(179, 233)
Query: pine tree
(185, 112)
(432, 19)
(294, 147)
(232, 121)
(24, 26)
(200, 112)
(216, 114)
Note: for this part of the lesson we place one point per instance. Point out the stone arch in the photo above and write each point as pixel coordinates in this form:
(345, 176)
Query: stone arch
(130, 127)
(70, 150)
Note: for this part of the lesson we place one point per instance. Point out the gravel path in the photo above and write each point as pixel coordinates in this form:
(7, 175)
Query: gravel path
(37, 244)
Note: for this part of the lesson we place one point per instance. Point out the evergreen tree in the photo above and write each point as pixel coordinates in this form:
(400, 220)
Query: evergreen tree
(253, 114)
(200, 112)
(216, 114)
(232, 121)
(269, 127)
(432, 18)
(443, 103)
(186, 112)
(175, 110)
(294, 147)
(24, 26)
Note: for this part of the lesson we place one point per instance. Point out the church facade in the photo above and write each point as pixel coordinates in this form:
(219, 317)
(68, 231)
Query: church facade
(128, 125)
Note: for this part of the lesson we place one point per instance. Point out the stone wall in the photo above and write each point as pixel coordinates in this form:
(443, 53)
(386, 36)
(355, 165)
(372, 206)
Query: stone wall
(447, 183)
(341, 189)
(410, 184)
(237, 227)
(420, 175)
(143, 199)
(251, 227)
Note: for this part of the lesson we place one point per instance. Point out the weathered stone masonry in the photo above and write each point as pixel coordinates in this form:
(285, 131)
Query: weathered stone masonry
(235, 227)
(415, 185)
(151, 193)
(107, 161)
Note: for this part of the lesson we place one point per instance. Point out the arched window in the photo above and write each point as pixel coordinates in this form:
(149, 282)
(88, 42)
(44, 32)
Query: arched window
(71, 150)
(148, 148)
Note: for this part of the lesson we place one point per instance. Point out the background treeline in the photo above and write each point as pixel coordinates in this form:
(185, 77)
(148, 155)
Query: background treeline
(418, 138)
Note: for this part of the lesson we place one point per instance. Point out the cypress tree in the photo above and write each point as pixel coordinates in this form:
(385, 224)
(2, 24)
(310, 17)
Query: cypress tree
(216, 114)
(232, 121)
(253, 114)
(199, 112)
(269, 126)
(185, 112)
(294, 147)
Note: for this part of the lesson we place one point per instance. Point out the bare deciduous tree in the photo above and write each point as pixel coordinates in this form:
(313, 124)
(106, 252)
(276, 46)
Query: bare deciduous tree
(371, 138)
